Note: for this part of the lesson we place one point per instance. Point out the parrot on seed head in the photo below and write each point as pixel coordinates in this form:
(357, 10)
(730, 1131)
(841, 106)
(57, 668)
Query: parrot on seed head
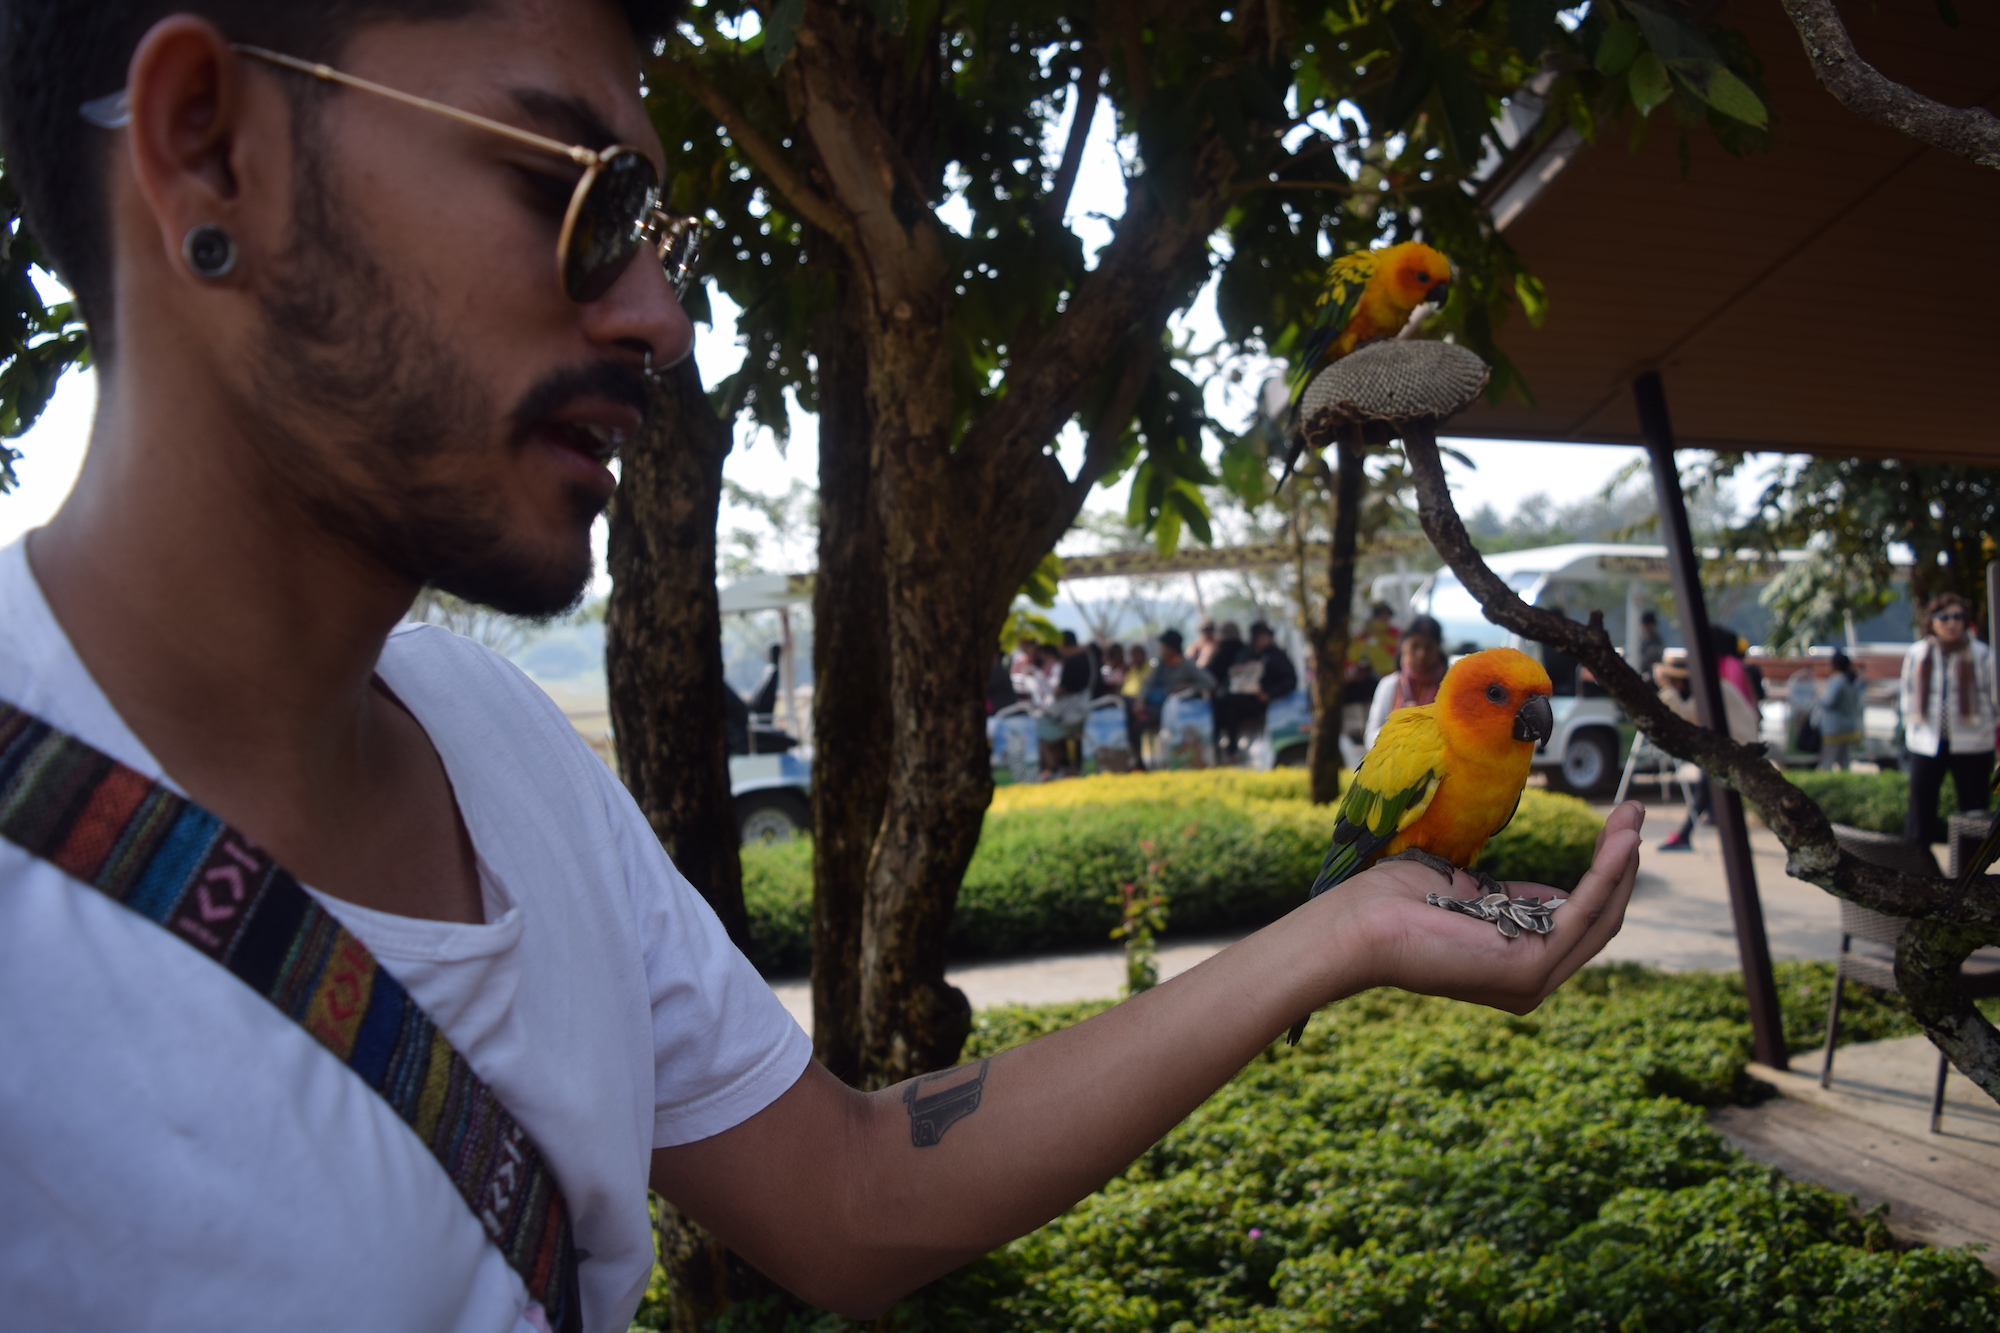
(1444, 777)
(1369, 294)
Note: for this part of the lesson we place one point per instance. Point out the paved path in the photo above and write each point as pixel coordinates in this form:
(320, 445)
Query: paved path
(1678, 920)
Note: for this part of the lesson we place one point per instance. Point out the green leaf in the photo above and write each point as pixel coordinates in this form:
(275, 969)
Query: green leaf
(1733, 98)
(781, 32)
(1649, 83)
(1040, 585)
(1620, 45)
(1534, 297)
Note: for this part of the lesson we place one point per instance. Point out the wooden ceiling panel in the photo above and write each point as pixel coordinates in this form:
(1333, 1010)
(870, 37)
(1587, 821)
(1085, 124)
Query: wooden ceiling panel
(1833, 296)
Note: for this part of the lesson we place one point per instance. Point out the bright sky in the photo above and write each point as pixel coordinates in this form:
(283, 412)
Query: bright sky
(1507, 473)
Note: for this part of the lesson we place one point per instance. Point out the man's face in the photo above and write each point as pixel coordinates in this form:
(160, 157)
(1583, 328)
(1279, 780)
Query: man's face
(1259, 642)
(429, 392)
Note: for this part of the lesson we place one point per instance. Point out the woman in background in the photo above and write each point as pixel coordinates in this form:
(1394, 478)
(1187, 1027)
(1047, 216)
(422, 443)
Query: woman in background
(1837, 714)
(1420, 668)
(1947, 696)
(1740, 716)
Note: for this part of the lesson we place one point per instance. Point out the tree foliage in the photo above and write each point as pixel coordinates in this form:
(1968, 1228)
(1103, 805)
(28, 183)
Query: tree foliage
(1350, 126)
(38, 340)
(1847, 514)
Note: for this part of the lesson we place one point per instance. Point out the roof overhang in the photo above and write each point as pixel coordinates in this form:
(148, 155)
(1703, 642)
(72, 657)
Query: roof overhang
(1835, 296)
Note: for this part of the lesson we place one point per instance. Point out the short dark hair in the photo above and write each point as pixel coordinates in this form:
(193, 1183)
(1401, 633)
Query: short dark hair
(1171, 639)
(1649, 618)
(55, 55)
(1946, 601)
(1423, 627)
(1069, 638)
(1259, 627)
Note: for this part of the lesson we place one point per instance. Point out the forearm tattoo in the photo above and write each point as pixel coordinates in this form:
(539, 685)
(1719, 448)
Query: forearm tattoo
(936, 1102)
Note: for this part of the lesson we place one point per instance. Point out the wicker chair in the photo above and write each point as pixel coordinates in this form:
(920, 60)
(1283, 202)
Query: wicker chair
(1877, 967)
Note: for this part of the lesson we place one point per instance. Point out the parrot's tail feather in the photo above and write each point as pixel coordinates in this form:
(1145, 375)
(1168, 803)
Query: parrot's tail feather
(1298, 1030)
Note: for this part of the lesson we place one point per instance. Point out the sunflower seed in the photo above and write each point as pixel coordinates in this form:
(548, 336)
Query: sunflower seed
(1510, 916)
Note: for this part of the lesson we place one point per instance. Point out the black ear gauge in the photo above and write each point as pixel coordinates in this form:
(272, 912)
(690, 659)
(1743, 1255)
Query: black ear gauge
(210, 251)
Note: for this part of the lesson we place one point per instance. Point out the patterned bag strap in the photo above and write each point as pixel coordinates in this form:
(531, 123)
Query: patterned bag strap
(180, 867)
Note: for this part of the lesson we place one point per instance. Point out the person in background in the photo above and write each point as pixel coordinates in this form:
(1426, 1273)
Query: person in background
(1801, 731)
(1205, 643)
(1173, 673)
(1275, 678)
(1947, 698)
(1236, 703)
(1415, 681)
(1677, 692)
(1837, 713)
(1651, 646)
(1112, 672)
(1061, 721)
(1133, 687)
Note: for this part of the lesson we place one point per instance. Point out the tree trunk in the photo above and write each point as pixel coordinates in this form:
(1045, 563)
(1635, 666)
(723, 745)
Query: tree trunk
(663, 643)
(1330, 637)
(851, 712)
(663, 665)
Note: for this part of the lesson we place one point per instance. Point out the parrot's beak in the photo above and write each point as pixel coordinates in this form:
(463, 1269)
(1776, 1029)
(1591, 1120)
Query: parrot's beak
(1535, 720)
(1439, 294)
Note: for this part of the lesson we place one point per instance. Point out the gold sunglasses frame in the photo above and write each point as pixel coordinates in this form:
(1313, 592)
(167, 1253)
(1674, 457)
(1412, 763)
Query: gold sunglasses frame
(657, 227)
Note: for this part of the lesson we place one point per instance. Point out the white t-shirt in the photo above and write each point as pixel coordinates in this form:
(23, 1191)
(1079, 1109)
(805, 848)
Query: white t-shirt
(177, 1154)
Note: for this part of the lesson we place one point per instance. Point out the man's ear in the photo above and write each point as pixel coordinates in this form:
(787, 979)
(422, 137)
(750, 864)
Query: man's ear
(185, 90)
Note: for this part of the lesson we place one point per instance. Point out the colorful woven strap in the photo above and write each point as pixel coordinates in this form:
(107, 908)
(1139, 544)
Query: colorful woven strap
(174, 863)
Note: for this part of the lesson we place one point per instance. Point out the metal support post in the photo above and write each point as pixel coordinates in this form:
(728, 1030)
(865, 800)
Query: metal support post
(1767, 1028)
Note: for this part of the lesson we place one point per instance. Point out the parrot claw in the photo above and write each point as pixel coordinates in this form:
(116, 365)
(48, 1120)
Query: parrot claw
(1424, 858)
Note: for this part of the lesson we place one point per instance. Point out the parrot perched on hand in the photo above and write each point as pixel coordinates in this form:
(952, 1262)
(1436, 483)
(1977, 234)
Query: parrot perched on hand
(1369, 294)
(1444, 777)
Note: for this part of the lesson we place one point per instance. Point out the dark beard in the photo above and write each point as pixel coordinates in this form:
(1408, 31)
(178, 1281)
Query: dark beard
(351, 379)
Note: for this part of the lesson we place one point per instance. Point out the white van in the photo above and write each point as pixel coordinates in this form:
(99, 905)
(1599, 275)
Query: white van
(1587, 749)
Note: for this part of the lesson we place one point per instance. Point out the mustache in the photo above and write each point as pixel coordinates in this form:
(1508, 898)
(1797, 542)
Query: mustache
(602, 379)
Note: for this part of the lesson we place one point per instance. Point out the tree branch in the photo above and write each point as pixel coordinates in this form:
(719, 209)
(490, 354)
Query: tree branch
(1949, 925)
(1084, 96)
(1971, 132)
(813, 206)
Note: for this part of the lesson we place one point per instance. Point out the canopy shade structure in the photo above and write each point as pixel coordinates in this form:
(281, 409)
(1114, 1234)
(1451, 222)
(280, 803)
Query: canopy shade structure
(1835, 296)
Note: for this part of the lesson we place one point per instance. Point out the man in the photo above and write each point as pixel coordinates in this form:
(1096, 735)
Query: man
(1652, 648)
(1174, 672)
(1264, 673)
(1235, 700)
(336, 366)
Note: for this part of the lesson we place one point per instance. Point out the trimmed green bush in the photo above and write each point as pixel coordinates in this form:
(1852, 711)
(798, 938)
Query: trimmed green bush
(1235, 850)
(1873, 801)
(1419, 1164)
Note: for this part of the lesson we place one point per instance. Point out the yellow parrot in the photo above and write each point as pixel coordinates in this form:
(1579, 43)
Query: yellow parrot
(1444, 777)
(1369, 294)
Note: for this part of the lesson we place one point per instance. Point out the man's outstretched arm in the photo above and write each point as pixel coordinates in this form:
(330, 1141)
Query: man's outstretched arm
(852, 1199)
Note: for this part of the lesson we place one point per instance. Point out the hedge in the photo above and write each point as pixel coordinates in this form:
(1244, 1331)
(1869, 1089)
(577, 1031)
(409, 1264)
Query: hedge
(1874, 801)
(1420, 1164)
(1235, 849)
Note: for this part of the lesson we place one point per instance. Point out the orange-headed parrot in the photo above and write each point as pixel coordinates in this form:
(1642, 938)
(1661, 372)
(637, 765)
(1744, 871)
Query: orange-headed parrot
(1444, 777)
(1369, 294)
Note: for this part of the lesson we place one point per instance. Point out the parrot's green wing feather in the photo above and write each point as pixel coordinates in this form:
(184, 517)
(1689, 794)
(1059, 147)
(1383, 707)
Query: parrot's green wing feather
(1390, 792)
(1344, 284)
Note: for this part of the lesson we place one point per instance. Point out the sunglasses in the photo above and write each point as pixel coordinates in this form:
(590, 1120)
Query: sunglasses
(1950, 617)
(612, 212)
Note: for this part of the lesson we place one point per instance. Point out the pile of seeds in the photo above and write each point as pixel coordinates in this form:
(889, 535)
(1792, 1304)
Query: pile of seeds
(1510, 916)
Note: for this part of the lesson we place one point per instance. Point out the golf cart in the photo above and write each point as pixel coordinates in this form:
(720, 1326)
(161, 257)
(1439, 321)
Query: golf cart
(770, 773)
